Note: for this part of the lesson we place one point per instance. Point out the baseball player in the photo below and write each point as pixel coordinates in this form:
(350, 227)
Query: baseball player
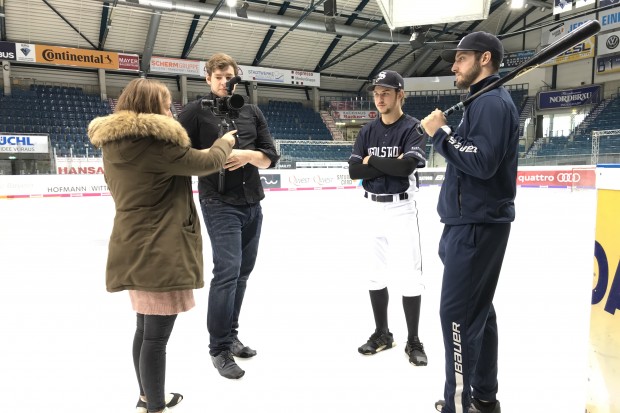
(386, 154)
(477, 206)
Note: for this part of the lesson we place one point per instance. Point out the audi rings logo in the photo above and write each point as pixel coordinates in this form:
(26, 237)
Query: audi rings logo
(612, 42)
(568, 177)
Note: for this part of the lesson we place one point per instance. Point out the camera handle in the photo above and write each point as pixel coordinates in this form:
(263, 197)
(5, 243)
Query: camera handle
(224, 128)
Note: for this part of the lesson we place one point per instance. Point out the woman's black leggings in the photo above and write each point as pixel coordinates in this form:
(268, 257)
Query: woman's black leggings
(149, 357)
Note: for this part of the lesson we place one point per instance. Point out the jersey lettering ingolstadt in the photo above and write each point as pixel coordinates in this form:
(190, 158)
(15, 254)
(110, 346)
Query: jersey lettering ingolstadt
(384, 151)
(463, 148)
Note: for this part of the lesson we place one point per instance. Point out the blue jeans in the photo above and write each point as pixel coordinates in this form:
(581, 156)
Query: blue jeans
(234, 231)
(149, 357)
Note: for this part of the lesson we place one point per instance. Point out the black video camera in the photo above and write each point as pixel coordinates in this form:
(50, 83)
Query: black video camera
(227, 110)
(227, 106)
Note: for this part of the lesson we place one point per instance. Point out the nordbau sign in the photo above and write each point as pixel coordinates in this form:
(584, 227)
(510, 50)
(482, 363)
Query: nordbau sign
(570, 97)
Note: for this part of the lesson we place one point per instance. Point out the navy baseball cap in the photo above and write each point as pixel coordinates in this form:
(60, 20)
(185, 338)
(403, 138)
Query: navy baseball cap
(477, 42)
(387, 78)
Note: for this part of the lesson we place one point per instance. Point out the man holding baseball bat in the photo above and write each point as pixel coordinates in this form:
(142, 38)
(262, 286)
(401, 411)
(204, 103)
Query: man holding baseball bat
(476, 205)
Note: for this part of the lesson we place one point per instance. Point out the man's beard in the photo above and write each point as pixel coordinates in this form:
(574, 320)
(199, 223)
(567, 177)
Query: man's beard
(386, 111)
(468, 78)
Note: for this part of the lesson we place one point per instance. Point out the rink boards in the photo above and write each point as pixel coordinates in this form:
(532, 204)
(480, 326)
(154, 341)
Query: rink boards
(87, 179)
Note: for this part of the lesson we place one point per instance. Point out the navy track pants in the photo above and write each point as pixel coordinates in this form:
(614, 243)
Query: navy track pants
(472, 255)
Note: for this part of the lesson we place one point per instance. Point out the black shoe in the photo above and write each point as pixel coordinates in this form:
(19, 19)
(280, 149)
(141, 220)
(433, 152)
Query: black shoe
(415, 351)
(171, 400)
(478, 406)
(226, 366)
(378, 341)
(239, 350)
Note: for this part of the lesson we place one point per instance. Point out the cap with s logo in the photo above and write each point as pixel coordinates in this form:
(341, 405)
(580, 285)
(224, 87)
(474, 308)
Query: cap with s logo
(387, 78)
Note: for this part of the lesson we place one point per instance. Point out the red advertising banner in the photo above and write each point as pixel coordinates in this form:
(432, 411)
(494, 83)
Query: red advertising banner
(128, 62)
(574, 177)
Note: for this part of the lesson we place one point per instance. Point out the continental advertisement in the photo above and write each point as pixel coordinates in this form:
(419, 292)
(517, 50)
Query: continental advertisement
(76, 57)
(68, 56)
(603, 393)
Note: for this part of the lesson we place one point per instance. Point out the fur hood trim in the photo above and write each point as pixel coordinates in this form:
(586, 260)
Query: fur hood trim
(125, 124)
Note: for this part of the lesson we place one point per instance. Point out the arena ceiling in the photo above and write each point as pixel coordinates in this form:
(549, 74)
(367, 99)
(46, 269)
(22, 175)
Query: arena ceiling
(281, 34)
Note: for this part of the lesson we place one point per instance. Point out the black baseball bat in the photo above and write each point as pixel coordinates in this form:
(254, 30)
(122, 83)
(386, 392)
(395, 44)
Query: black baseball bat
(588, 29)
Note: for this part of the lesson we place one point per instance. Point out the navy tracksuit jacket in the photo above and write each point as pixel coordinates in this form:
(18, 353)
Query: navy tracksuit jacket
(476, 204)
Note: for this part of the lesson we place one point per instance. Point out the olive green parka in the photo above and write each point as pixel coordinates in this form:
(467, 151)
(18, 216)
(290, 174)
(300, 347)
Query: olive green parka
(156, 244)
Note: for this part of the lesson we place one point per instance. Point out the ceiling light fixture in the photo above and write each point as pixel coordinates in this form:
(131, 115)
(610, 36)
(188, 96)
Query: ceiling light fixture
(402, 13)
(330, 24)
(517, 4)
(242, 10)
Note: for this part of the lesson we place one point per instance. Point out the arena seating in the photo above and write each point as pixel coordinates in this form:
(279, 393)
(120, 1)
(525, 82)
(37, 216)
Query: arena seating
(419, 106)
(291, 120)
(62, 112)
(606, 119)
(300, 151)
(580, 142)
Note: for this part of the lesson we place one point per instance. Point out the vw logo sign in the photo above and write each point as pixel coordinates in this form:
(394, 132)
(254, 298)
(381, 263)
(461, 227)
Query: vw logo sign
(568, 177)
(612, 42)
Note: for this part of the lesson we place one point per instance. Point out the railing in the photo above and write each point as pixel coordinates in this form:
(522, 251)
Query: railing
(367, 103)
(299, 150)
(264, 101)
(24, 83)
(585, 159)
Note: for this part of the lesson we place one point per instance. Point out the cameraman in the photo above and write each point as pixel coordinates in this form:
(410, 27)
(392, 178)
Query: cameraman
(231, 210)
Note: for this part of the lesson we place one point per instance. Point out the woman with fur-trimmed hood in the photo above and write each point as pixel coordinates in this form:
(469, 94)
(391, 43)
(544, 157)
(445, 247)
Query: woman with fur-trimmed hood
(155, 249)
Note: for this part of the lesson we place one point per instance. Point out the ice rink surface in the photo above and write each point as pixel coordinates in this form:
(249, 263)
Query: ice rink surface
(66, 342)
